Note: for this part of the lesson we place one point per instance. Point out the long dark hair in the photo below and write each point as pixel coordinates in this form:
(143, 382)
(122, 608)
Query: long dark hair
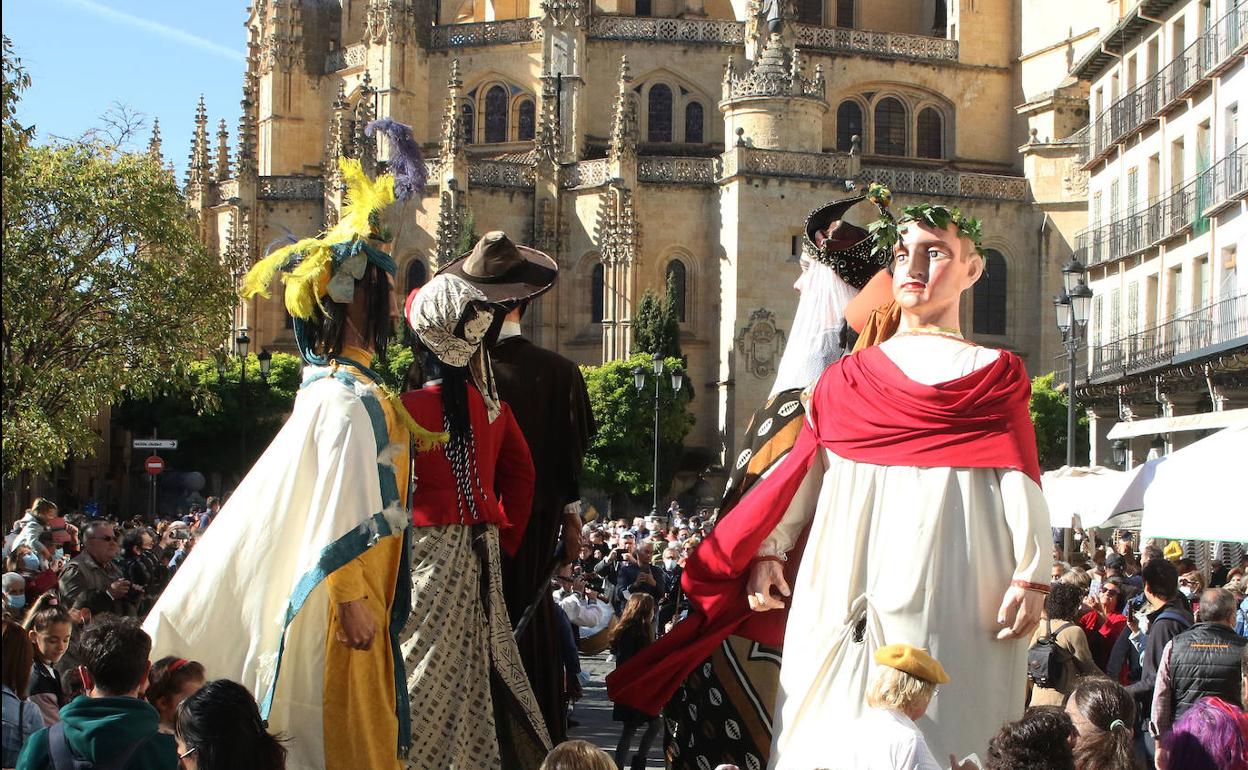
(222, 724)
(1111, 711)
(637, 618)
(327, 328)
(19, 659)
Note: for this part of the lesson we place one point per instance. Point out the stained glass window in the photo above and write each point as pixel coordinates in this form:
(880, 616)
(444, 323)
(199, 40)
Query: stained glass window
(676, 285)
(890, 127)
(597, 293)
(848, 125)
(659, 114)
(990, 296)
(525, 120)
(693, 123)
(496, 114)
(931, 139)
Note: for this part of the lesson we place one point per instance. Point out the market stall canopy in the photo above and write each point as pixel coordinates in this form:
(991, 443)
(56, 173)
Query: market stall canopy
(1156, 425)
(1197, 493)
(1093, 494)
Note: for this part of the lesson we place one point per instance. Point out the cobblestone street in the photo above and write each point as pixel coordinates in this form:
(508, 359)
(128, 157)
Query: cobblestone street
(594, 713)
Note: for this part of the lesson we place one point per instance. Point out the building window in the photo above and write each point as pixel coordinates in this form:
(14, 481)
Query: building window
(659, 114)
(848, 125)
(468, 122)
(931, 134)
(810, 11)
(526, 120)
(676, 285)
(597, 293)
(417, 274)
(693, 123)
(845, 13)
(496, 114)
(990, 295)
(890, 127)
(644, 8)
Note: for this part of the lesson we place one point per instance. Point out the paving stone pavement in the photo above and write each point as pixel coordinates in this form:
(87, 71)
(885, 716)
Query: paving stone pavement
(594, 714)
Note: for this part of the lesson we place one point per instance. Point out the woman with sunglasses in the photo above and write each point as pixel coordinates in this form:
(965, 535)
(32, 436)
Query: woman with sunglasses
(1105, 621)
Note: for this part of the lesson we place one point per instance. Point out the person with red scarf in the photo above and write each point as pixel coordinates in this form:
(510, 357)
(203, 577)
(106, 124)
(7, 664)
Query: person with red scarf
(923, 443)
(1104, 621)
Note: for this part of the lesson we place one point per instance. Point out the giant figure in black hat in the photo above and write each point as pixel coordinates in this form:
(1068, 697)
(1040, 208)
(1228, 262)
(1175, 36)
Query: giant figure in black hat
(547, 395)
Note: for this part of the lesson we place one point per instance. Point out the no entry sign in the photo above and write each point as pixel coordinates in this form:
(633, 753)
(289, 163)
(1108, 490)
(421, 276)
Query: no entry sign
(154, 465)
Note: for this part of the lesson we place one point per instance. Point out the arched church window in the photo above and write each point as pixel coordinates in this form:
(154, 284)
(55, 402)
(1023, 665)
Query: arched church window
(417, 274)
(468, 122)
(931, 134)
(676, 284)
(597, 293)
(810, 11)
(989, 298)
(526, 120)
(693, 123)
(890, 127)
(848, 124)
(659, 114)
(496, 114)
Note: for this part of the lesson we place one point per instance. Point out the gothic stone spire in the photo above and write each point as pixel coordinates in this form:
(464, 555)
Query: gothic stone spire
(199, 168)
(623, 121)
(223, 152)
(452, 126)
(153, 144)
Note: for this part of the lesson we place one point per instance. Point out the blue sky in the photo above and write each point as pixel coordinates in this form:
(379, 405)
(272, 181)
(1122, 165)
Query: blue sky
(155, 57)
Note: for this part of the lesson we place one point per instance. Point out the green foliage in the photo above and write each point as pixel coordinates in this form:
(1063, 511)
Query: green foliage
(656, 328)
(1048, 413)
(399, 360)
(468, 235)
(621, 457)
(886, 231)
(107, 288)
(207, 413)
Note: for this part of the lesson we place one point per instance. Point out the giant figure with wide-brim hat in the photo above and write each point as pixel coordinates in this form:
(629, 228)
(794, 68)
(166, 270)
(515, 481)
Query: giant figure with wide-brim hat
(299, 588)
(547, 395)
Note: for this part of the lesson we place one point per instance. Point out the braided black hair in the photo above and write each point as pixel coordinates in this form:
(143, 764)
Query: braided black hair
(327, 328)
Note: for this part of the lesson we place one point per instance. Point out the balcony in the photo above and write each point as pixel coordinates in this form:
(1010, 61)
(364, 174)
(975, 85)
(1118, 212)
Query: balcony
(1167, 216)
(893, 45)
(1214, 328)
(1228, 38)
(446, 36)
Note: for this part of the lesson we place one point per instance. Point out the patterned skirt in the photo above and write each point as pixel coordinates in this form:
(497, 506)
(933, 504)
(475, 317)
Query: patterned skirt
(471, 703)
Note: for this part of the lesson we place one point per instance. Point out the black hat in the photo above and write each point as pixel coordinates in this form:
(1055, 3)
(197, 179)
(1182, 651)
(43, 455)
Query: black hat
(844, 247)
(503, 271)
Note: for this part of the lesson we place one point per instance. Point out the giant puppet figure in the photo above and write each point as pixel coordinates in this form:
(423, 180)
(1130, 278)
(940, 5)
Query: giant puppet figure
(908, 511)
(300, 587)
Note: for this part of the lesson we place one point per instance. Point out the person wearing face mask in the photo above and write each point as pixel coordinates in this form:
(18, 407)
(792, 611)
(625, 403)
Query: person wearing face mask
(471, 507)
(669, 602)
(15, 593)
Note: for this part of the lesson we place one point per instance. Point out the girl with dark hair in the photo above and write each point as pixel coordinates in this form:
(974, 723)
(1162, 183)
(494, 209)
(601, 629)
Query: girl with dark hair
(21, 718)
(171, 681)
(1041, 740)
(1103, 713)
(219, 728)
(1060, 623)
(49, 629)
(471, 501)
(633, 634)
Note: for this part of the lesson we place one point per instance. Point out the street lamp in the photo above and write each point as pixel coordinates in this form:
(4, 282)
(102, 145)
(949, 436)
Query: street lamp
(639, 381)
(1119, 448)
(266, 363)
(241, 343)
(1072, 307)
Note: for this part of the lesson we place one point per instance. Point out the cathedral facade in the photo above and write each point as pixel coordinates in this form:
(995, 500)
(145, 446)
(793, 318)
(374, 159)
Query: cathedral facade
(643, 143)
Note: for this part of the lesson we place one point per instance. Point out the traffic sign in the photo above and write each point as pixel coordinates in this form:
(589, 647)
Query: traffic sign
(155, 443)
(154, 465)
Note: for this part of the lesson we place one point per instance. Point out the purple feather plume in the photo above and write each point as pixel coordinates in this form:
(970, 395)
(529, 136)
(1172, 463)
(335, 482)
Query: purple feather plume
(406, 162)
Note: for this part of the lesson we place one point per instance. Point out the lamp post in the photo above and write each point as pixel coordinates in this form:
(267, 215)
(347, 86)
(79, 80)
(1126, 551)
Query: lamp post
(639, 380)
(241, 343)
(1072, 307)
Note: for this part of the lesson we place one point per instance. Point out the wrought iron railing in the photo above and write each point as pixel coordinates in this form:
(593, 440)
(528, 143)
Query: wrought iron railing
(890, 44)
(1222, 322)
(1228, 36)
(1226, 181)
(959, 184)
(1079, 141)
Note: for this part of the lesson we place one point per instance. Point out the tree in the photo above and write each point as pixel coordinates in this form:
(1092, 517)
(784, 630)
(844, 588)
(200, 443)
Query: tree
(620, 459)
(204, 410)
(656, 328)
(1048, 413)
(468, 236)
(107, 288)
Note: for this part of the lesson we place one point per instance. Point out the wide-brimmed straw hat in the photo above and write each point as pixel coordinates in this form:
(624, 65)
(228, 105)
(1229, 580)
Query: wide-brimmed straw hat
(841, 245)
(506, 273)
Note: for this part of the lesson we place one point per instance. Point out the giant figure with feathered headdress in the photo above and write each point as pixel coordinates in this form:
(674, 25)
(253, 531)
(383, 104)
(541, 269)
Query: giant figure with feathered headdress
(299, 588)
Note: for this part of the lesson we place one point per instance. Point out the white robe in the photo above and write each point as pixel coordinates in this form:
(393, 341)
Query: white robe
(315, 488)
(916, 555)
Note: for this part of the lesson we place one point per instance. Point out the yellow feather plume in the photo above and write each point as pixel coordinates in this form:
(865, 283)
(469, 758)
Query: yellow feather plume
(426, 440)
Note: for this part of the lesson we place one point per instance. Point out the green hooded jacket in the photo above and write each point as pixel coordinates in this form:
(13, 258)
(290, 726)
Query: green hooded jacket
(99, 729)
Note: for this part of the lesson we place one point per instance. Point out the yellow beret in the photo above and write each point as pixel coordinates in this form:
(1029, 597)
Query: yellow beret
(1173, 551)
(913, 660)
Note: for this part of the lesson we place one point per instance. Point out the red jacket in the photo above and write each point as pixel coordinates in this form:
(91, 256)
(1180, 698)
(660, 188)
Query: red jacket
(505, 494)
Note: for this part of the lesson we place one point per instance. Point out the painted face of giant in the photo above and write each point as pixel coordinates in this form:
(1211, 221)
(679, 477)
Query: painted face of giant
(477, 324)
(932, 267)
(804, 279)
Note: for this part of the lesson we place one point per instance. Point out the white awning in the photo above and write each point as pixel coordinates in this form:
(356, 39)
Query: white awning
(1197, 492)
(1206, 421)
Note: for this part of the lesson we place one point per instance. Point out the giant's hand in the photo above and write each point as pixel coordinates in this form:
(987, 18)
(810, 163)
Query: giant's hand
(356, 625)
(1019, 613)
(764, 576)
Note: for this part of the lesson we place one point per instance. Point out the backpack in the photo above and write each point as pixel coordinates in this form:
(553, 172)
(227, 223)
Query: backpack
(64, 757)
(1046, 658)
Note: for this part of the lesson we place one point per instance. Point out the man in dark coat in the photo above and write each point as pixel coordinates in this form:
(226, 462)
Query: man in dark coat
(547, 395)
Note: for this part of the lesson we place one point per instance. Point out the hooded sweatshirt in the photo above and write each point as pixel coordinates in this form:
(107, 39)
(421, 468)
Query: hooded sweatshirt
(99, 729)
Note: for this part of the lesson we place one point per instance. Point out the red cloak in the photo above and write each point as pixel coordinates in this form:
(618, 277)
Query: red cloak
(863, 409)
